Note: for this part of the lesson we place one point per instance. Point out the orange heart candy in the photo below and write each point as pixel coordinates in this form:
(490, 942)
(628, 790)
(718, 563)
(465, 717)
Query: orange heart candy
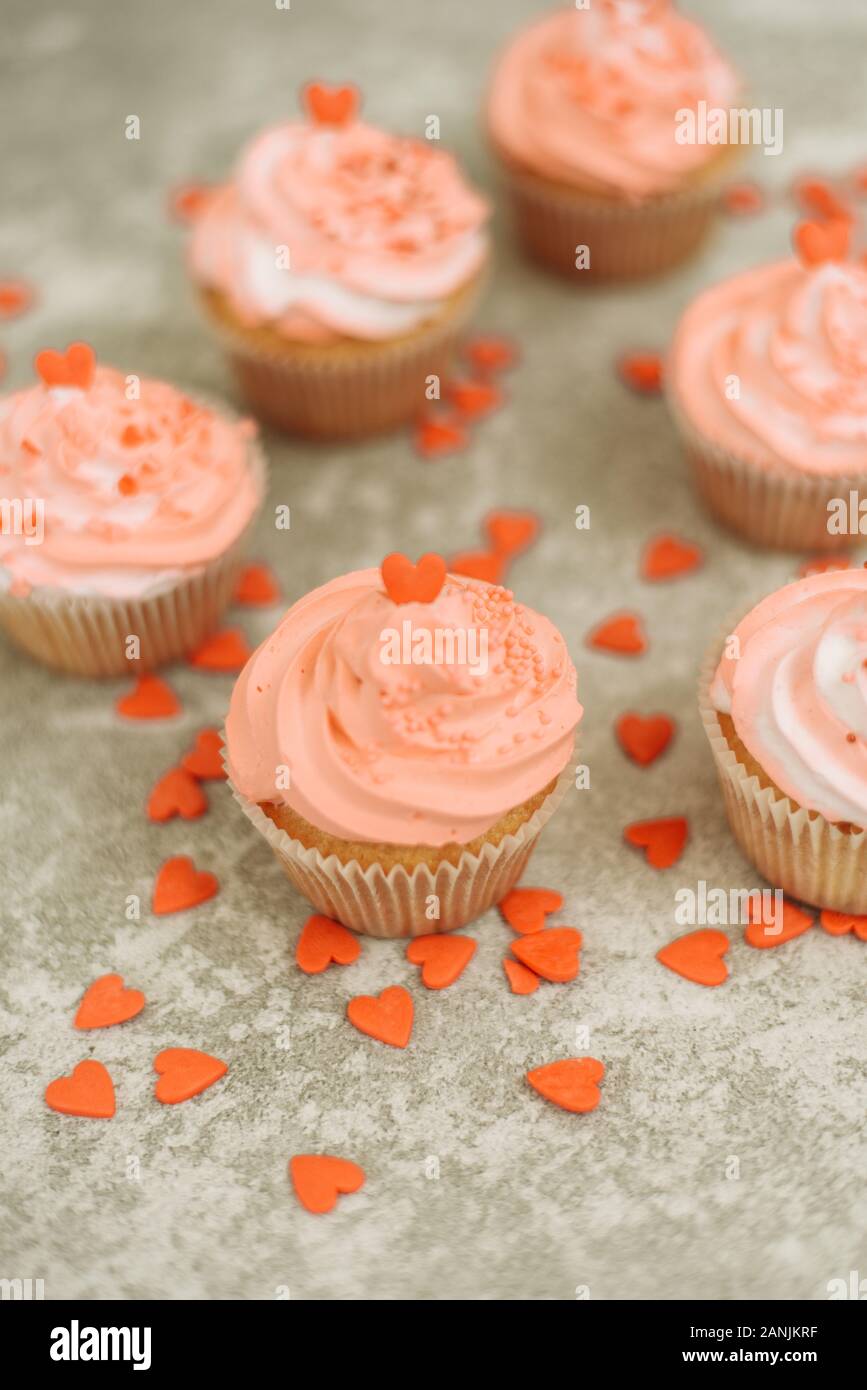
(176, 793)
(106, 1002)
(743, 198)
(763, 934)
(525, 909)
(189, 200)
(228, 650)
(511, 532)
(204, 760)
(521, 979)
(697, 956)
(491, 353)
(319, 1179)
(387, 1017)
(435, 438)
(816, 196)
(179, 885)
(408, 583)
(551, 953)
(442, 957)
(818, 242)
(662, 840)
(644, 737)
(665, 557)
(74, 368)
(15, 297)
(474, 399)
(322, 942)
(479, 564)
(256, 586)
(571, 1083)
(642, 371)
(839, 923)
(621, 633)
(150, 698)
(89, 1092)
(184, 1073)
(330, 105)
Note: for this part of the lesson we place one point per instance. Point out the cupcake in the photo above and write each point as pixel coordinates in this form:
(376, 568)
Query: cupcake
(339, 268)
(400, 741)
(584, 114)
(767, 381)
(126, 509)
(785, 710)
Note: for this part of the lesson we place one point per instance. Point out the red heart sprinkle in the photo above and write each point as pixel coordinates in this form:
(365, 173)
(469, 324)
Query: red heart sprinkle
(491, 353)
(442, 957)
(644, 737)
(408, 583)
(571, 1083)
(435, 438)
(818, 242)
(642, 371)
(106, 1002)
(330, 105)
(479, 564)
(177, 793)
(16, 297)
(662, 840)
(319, 1179)
(474, 399)
(665, 557)
(89, 1092)
(322, 942)
(697, 956)
(742, 199)
(525, 909)
(763, 933)
(622, 633)
(204, 760)
(521, 979)
(551, 953)
(180, 885)
(74, 368)
(387, 1017)
(150, 698)
(819, 199)
(188, 201)
(227, 650)
(257, 585)
(184, 1072)
(511, 532)
(839, 923)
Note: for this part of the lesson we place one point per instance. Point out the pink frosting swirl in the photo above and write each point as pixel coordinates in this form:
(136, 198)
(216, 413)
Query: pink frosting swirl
(402, 753)
(378, 230)
(797, 693)
(589, 97)
(772, 367)
(132, 489)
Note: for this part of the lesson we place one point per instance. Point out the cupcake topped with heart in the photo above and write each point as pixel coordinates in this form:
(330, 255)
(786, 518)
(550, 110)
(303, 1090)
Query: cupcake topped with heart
(585, 112)
(768, 380)
(130, 493)
(408, 726)
(337, 236)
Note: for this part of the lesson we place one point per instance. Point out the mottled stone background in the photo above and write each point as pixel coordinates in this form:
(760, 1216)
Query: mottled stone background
(632, 1200)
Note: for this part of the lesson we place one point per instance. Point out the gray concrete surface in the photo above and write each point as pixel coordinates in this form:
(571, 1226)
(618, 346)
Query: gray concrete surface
(530, 1203)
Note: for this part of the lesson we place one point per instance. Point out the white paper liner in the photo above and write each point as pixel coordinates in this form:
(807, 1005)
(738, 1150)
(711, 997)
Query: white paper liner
(86, 635)
(393, 904)
(775, 508)
(346, 394)
(796, 850)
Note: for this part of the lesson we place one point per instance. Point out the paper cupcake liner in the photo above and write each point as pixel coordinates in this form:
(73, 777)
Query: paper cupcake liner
(393, 904)
(796, 850)
(774, 509)
(347, 391)
(86, 635)
(625, 240)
